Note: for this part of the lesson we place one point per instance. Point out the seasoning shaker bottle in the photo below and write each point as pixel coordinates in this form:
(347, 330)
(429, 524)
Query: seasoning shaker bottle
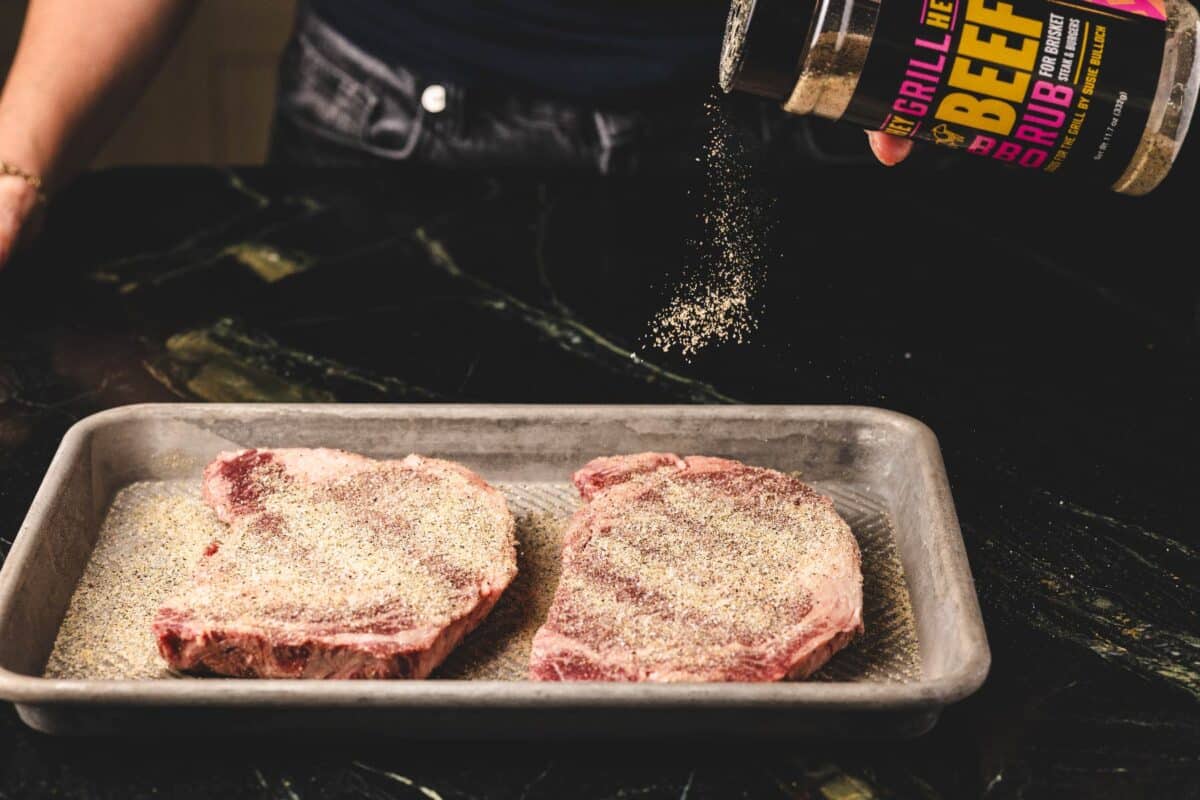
(1100, 89)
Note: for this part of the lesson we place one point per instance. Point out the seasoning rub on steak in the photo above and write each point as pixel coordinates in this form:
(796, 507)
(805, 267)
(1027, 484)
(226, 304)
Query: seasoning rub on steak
(339, 566)
(698, 569)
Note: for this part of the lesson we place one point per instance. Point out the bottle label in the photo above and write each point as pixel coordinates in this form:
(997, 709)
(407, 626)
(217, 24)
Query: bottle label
(1048, 85)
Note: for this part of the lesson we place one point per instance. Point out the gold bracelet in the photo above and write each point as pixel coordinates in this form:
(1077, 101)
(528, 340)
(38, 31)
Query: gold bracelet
(13, 171)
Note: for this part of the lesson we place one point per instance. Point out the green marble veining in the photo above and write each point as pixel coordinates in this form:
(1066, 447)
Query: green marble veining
(226, 363)
(569, 333)
(268, 262)
(403, 780)
(242, 187)
(808, 777)
(541, 231)
(203, 248)
(1072, 605)
(209, 369)
(846, 787)
(1105, 519)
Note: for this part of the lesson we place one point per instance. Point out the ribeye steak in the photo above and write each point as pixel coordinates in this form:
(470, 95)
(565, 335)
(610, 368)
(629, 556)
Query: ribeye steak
(698, 569)
(339, 566)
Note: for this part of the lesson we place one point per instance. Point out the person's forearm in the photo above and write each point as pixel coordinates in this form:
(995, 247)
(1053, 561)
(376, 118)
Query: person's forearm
(79, 67)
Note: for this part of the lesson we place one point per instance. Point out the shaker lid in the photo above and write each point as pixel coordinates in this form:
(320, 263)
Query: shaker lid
(765, 41)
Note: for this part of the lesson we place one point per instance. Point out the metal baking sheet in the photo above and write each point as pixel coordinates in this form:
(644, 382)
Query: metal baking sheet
(924, 645)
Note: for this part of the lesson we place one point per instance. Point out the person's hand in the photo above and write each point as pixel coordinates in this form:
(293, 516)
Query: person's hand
(18, 215)
(890, 150)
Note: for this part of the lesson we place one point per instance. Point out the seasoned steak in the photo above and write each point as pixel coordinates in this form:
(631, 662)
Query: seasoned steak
(339, 566)
(698, 569)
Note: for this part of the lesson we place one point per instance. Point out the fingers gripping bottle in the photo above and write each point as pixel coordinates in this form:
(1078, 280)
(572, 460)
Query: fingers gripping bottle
(1098, 89)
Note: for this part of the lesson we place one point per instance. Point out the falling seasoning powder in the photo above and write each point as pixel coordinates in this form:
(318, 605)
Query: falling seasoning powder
(717, 299)
(147, 549)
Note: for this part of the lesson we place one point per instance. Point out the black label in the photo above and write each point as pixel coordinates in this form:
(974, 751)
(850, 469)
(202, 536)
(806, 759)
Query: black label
(1044, 84)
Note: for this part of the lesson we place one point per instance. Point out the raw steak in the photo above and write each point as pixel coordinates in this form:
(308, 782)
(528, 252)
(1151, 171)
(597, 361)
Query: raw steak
(339, 566)
(698, 569)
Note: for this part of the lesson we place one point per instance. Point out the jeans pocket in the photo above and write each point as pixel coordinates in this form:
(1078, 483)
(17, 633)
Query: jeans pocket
(332, 89)
(317, 95)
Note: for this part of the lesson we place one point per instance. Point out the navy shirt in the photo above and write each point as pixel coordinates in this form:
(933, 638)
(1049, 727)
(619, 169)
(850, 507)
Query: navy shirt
(586, 49)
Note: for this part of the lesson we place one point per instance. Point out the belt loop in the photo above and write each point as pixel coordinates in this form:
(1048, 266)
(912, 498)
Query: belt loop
(614, 132)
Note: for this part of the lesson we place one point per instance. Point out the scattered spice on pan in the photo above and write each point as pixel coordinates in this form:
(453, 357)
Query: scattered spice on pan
(499, 648)
(147, 549)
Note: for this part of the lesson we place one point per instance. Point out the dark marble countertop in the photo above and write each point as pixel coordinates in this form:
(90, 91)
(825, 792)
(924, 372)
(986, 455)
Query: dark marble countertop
(1047, 334)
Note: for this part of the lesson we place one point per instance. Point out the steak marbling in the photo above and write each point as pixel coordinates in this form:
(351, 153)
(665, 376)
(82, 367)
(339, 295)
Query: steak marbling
(339, 566)
(698, 569)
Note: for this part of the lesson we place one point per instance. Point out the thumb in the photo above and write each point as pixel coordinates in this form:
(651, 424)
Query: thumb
(890, 150)
(8, 235)
(17, 204)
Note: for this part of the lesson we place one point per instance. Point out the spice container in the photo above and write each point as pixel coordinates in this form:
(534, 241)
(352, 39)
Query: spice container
(1100, 89)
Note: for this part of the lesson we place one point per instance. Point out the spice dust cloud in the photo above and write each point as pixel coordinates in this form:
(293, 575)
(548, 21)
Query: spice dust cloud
(717, 299)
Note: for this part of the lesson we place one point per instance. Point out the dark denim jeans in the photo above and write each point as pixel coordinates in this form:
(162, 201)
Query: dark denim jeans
(340, 106)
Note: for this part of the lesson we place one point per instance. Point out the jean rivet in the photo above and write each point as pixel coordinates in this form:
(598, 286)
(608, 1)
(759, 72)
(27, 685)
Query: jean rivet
(433, 99)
